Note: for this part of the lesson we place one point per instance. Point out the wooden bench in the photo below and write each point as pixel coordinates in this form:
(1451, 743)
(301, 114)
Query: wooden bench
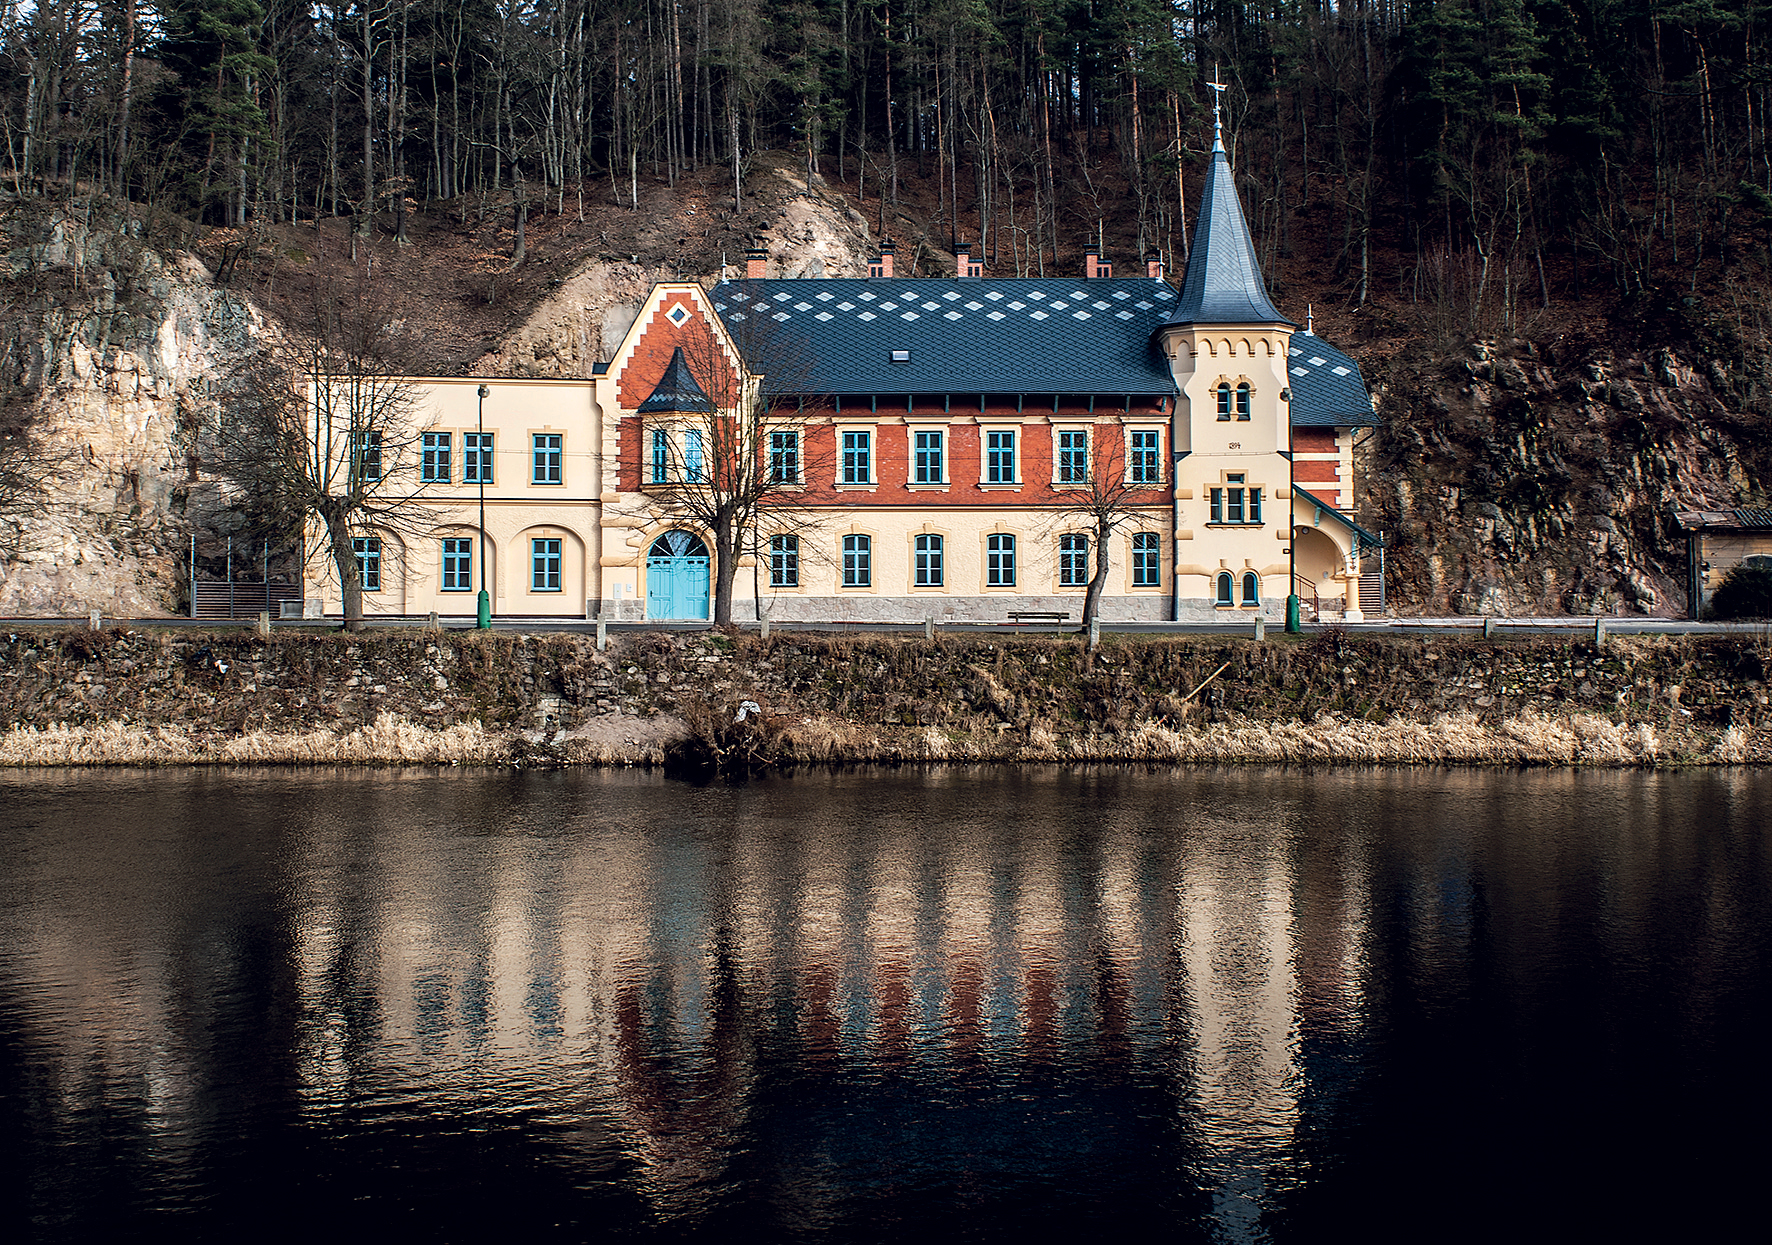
(1027, 616)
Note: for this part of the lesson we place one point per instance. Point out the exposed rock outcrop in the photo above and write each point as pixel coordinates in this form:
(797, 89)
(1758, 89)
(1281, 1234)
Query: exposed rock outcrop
(1513, 479)
(808, 230)
(113, 355)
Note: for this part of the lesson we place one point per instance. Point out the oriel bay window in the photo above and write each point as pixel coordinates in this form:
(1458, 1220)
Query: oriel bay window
(927, 464)
(928, 561)
(858, 561)
(857, 465)
(999, 561)
(1234, 501)
(458, 565)
(1073, 560)
(433, 463)
(693, 469)
(784, 561)
(550, 454)
(544, 560)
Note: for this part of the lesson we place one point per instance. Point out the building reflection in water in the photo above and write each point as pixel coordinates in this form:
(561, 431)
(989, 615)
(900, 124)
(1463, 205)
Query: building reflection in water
(835, 988)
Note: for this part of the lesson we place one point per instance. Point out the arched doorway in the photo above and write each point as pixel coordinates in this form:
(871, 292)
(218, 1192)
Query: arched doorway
(677, 576)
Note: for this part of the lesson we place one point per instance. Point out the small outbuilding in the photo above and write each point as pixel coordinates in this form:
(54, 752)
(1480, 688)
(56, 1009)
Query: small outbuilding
(1717, 541)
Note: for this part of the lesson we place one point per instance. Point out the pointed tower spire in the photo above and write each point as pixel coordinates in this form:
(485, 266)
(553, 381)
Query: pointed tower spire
(677, 390)
(1223, 284)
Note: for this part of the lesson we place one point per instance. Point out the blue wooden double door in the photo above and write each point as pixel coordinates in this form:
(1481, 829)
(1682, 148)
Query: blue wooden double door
(677, 576)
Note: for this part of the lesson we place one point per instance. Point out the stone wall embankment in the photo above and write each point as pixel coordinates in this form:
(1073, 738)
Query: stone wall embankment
(177, 696)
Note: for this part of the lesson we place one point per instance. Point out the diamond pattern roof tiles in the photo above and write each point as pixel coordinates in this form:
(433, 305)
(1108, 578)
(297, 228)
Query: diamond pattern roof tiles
(1008, 336)
(1002, 336)
(1327, 391)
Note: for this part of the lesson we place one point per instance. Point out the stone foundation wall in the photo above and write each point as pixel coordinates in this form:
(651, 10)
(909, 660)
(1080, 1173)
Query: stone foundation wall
(179, 696)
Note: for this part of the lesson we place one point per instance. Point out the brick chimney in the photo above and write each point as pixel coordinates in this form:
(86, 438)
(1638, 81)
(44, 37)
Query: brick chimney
(755, 260)
(882, 267)
(1153, 267)
(964, 268)
(1092, 265)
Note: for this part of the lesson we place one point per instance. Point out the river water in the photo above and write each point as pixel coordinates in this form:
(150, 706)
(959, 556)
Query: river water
(1228, 1005)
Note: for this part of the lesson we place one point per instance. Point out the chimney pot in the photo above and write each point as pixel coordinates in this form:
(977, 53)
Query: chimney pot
(1153, 267)
(755, 260)
(882, 267)
(963, 265)
(1093, 268)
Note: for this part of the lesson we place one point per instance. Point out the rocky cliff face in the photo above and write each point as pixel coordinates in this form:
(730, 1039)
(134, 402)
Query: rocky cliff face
(808, 230)
(1514, 478)
(113, 351)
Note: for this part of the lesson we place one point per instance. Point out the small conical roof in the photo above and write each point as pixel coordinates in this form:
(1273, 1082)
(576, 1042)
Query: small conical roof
(1223, 284)
(677, 390)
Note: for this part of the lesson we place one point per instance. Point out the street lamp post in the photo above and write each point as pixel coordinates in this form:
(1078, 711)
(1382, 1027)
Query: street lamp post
(480, 476)
(1293, 626)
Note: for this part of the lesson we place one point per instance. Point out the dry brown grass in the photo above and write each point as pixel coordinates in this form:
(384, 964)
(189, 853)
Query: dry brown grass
(1448, 739)
(387, 741)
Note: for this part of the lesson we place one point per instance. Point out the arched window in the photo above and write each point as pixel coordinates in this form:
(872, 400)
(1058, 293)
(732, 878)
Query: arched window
(1147, 572)
(1243, 400)
(858, 561)
(1251, 588)
(1073, 560)
(1224, 401)
(1225, 587)
(999, 561)
(928, 561)
(784, 561)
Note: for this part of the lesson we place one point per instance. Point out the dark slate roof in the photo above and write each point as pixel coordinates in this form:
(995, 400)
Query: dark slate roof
(1009, 335)
(1345, 519)
(1753, 518)
(1223, 284)
(1326, 387)
(676, 390)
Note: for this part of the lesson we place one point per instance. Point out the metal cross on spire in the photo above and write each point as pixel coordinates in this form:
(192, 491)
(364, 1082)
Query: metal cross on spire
(1217, 117)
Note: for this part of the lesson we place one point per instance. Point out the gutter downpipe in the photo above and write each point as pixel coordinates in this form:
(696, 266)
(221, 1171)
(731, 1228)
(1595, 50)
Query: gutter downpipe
(1176, 455)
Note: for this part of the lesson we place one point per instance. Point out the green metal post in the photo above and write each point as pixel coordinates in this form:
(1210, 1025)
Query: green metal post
(1292, 624)
(485, 623)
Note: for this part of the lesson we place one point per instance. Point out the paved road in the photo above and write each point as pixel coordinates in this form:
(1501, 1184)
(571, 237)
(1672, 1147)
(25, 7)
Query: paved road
(1388, 626)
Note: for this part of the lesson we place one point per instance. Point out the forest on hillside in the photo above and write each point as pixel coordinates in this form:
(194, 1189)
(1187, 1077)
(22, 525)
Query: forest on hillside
(1480, 159)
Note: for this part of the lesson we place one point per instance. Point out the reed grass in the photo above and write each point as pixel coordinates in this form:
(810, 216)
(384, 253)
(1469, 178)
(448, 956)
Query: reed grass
(389, 740)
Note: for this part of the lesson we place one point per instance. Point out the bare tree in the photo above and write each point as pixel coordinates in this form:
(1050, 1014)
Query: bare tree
(26, 468)
(724, 443)
(324, 431)
(1103, 492)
